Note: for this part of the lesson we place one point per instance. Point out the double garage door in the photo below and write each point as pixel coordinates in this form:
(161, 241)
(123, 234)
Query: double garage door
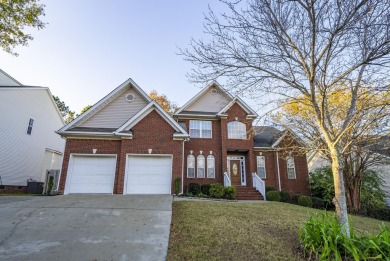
(96, 174)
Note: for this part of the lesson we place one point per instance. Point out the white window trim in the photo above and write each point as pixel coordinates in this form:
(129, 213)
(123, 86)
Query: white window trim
(201, 129)
(193, 157)
(265, 171)
(293, 163)
(211, 157)
(198, 168)
(235, 134)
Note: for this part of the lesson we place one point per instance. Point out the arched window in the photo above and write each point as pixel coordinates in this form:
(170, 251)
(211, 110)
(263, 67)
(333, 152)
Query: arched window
(201, 167)
(190, 166)
(210, 167)
(236, 130)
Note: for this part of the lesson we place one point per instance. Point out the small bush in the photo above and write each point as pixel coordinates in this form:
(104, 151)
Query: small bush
(318, 203)
(50, 185)
(217, 190)
(269, 188)
(205, 188)
(230, 192)
(322, 239)
(305, 201)
(194, 188)
(294, 199)
(273, 195)
(284, 196)
(380, 213)
(177, 186)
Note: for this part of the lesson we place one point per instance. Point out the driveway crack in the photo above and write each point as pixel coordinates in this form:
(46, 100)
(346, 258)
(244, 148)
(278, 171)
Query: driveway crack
(21, 220)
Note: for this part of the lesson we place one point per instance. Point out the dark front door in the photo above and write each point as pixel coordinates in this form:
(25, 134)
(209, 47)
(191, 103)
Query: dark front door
(235, 172)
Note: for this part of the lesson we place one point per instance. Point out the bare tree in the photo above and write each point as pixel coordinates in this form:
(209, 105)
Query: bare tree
(301, 47)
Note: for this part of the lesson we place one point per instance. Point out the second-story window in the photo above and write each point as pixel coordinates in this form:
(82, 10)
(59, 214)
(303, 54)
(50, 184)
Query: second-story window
(30, 126)
(200, 129)
(236, 130)
(291, 167)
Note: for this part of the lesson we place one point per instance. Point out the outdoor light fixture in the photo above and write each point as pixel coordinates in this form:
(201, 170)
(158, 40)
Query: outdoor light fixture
(94, 151)
(150, 151)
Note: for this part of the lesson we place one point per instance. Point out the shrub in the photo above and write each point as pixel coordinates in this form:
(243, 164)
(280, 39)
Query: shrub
(305, 201)
(230, 192)
(217, 190)
(321, 184)
(321, 236)
(294, 199)
(284, 196)
(194, 188)
(50, 185)
(269, 188)
(318, 203)
(273, 195)
(205, 188)
(177, 185)
(380, 213)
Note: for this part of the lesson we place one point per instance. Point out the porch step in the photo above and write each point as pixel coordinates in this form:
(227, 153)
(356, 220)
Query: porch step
(248, 193)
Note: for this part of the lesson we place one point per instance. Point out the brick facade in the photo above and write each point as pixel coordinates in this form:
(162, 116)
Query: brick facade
(152, 132)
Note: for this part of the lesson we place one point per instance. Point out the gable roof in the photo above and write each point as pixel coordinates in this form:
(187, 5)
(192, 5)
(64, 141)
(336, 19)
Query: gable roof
(124, 131)
(201, 93)
(270, 137)
(242, 104)
(103, 102)
(7, 80)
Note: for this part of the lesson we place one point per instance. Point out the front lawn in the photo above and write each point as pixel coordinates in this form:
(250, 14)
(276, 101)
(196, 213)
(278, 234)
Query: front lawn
(243, 231)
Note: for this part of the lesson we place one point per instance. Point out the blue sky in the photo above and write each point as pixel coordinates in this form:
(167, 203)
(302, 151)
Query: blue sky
(90, 47)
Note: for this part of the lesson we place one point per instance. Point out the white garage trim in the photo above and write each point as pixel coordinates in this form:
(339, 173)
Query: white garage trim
(71, 163)
(128, 155)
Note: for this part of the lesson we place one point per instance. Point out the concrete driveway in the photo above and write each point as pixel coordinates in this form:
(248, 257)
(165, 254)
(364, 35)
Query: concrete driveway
(85, 227)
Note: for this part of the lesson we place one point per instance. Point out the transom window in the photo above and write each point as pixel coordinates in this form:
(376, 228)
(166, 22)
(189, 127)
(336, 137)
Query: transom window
(236, 130)
(261, 167)
(291, 168)
(200, 129)
(201, 166)
(190, 166)
(210, 167)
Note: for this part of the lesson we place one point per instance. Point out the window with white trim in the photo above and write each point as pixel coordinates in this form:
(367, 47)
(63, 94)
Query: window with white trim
(210, 167)
(190, 166)
(236, 130)
(261, 167)
(200, 129)
(201, 166)
(291, 168)
(30, 126)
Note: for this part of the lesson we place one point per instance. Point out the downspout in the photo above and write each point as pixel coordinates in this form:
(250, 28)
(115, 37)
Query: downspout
(182, 168)
(277, 162)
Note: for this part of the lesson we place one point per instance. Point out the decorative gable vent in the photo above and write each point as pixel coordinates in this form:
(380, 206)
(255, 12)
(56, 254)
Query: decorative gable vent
(214, 91)
(130, 97)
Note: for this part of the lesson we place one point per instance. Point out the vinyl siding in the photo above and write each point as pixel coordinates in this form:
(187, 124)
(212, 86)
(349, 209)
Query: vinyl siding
(210, 102)
(22, 156)
(5, 80)
(116, 113)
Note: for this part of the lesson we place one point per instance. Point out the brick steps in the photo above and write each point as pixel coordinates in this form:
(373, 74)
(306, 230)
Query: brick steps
(248, 193)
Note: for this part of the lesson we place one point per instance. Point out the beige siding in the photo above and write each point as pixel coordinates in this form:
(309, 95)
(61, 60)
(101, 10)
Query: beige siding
(318, 161)
(117, 112)
(210, 101)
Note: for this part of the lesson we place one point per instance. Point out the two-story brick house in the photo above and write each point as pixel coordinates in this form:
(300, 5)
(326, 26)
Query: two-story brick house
(126, 144)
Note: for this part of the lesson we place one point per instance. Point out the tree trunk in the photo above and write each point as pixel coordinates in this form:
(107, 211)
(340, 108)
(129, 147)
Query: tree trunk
(339, 199)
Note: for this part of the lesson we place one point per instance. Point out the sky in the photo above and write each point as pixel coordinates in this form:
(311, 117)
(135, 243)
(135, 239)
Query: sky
(90, 47)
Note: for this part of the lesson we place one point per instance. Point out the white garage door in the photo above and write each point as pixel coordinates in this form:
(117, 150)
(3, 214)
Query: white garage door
(91, 174)
(148, 175)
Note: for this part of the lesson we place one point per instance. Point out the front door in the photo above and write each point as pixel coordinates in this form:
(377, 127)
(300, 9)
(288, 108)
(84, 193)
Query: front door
(235, 172)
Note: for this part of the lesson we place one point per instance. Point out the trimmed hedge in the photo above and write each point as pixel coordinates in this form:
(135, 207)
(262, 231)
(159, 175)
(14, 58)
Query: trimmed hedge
(318, 203)
(194, 188)
(380, 213)
(217, 190)
(273, 195)
(205, 188)
(269, 188)
(305, 201)
(230, 192)
(294, 199)
(284, 196)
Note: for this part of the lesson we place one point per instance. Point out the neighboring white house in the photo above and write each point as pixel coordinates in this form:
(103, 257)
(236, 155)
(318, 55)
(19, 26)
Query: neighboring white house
(28, 144)
(317, 160)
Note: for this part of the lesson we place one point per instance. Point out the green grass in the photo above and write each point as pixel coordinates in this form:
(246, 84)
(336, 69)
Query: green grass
(243, 231)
